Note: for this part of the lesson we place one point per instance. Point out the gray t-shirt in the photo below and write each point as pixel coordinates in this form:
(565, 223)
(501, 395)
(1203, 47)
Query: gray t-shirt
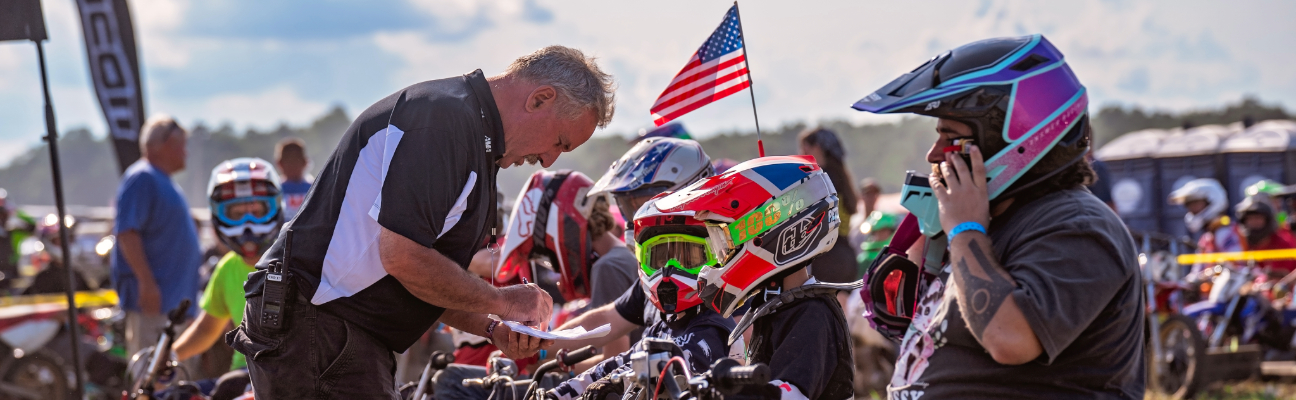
(612, 274)
(1079, 287)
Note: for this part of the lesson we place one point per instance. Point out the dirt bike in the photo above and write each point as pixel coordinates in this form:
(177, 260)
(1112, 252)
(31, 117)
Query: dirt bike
(422, 389)
(659, 372)
(1176, 350)
(156, 367)
(501, 372)
(29, 370)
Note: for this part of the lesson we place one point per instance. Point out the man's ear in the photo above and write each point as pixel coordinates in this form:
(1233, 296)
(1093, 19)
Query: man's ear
(541, 97)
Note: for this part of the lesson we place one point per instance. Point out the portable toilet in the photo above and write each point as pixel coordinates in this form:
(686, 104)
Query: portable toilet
(1267, 150)
(1133, 175)
(1185, 155)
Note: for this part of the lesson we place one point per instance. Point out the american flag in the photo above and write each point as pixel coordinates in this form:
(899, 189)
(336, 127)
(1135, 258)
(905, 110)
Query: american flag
(717, 69)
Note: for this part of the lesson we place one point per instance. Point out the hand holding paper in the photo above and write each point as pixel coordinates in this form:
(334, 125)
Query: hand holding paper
(576, 333)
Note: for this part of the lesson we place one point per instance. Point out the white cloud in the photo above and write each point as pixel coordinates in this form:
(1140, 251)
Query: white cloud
(264, 110)
(156, 25)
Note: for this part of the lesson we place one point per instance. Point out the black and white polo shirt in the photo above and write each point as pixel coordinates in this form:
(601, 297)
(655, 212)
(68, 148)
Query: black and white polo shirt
(420, 163)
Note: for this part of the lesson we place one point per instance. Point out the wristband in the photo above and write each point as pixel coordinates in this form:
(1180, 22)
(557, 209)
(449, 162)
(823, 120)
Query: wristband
(542, 353)
(964, 227)
(490, 329)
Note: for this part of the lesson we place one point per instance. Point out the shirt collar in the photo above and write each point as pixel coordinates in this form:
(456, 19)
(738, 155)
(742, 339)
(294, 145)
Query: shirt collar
(490, 112)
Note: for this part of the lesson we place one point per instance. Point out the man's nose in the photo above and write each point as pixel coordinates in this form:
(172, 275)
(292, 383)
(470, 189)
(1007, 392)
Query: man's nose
(935, 155)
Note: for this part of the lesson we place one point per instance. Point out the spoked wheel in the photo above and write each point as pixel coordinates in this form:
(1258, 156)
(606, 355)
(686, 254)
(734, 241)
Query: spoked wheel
(39, 375)
(1180, 363)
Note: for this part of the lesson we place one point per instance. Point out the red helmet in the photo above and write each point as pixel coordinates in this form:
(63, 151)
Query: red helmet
(766, 217)
(672, 249)
(557, 202)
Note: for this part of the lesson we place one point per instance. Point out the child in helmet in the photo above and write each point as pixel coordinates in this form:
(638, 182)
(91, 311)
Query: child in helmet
(673, 248)
(1206, 203)
(653, 166)
(246, 206)
(768, 219)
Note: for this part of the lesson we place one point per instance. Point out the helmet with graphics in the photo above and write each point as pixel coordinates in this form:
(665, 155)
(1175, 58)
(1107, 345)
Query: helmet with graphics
(1026, 109)
(765, 218)
(246, 204)
(652, 166)
(672, 249)
(549, 229)
(1266, 186)
(1201, 189)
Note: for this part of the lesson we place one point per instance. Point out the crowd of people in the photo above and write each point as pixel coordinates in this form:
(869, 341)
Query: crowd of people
(1006, 278)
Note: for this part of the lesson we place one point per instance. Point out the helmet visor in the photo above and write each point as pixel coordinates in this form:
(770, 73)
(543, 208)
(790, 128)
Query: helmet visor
(242, 210)
(684, 252)
(630, 202)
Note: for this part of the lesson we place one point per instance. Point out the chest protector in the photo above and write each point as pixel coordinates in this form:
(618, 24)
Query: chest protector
(762, 349)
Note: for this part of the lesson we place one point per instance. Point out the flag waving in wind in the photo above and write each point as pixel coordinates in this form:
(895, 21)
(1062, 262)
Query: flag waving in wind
(718, 69)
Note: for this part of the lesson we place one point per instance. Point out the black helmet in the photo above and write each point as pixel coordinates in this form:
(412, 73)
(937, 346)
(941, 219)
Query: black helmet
(1027, 110)
(1258, 204)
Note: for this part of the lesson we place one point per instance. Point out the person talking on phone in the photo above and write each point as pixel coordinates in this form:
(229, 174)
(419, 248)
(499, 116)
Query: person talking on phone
(377, 253)
(1039, 293)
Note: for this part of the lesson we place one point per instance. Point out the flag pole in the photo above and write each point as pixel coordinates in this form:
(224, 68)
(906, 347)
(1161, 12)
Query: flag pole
(751, 84)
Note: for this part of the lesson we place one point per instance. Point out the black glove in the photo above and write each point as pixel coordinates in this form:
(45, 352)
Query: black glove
(604, 389)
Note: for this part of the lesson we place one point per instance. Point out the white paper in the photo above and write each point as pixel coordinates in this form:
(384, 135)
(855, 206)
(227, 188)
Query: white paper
(576, 333)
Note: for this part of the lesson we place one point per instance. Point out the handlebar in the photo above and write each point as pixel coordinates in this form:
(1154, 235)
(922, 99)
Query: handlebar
(440, 360)
(177, 315)
(729, 376)
(577, 356)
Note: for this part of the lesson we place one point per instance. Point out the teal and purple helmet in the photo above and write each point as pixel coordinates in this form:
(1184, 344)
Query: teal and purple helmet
(1023, 103)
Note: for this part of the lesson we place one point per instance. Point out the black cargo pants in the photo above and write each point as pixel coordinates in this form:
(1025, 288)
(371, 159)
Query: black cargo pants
(318, 356)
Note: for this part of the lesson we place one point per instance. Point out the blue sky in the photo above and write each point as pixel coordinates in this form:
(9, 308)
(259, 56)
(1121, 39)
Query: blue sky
(262, 63)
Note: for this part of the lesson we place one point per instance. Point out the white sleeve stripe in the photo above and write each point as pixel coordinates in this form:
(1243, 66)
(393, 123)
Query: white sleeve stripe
(460, 205)
(393, 137)
(788, 391)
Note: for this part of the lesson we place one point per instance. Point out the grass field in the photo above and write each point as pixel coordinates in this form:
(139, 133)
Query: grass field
(1247, 390)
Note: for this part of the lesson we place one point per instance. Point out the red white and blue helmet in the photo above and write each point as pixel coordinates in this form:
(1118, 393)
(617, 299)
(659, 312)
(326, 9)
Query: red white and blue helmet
(765, 218)
(653, 166)
(672, 249)
(1027, 110)
(246, 204)
(549, 229)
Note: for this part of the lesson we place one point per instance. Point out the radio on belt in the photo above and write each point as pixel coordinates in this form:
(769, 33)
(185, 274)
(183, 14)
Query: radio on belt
(278, 288)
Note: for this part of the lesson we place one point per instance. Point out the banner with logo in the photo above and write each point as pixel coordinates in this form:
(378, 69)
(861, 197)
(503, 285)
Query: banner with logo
(115, 71)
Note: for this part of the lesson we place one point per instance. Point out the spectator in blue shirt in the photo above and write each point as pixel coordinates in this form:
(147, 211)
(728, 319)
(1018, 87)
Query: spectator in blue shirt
(290, 156)
(156, 259)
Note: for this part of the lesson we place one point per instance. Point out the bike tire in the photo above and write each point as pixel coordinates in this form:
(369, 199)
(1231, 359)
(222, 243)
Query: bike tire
(42, 372)
(1182, 360)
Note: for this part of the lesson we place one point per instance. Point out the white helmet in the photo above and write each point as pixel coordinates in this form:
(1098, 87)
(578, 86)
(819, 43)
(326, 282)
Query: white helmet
(1206, 189)
(652, 166)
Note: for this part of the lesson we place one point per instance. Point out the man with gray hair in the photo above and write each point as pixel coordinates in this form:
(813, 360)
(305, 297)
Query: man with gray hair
(377, 253)
(156, 259)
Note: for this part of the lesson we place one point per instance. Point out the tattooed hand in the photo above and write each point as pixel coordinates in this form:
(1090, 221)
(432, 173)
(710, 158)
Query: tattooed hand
(963, 196)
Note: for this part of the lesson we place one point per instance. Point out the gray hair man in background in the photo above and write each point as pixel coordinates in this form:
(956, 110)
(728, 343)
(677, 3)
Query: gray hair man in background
(379, 249)
(156, 259)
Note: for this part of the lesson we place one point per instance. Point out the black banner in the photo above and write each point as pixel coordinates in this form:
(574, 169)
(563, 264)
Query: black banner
(21, 20)
(114, 69)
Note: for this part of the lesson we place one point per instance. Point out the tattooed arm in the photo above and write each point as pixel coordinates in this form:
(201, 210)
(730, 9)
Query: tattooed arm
(984, 292)
(981, 285)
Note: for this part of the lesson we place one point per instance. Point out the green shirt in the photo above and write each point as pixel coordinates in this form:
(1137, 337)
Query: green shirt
(223, 297)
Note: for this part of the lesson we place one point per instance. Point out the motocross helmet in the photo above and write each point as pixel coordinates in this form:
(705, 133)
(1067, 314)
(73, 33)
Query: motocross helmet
(878, 221)
(672, 248)
(652, 166)
(1027, 110)
(246, 204)
(1265, 186)
(1205, 189)
(765, 218)
(1256, 205)
(549, 228)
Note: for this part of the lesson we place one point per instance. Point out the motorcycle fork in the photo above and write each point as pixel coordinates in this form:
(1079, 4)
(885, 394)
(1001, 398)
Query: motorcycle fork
(1218, 334)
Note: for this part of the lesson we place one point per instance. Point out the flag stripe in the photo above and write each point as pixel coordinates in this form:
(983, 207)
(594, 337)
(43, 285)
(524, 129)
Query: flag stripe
(659, 120)
(716, 70)
(696, 71)
(684, 96)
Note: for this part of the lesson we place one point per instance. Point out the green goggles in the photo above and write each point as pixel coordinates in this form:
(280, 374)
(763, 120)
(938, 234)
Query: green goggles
(684, 252)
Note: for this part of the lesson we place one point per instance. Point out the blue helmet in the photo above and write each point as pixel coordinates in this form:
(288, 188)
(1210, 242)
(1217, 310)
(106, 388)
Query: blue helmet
(1027, 110)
